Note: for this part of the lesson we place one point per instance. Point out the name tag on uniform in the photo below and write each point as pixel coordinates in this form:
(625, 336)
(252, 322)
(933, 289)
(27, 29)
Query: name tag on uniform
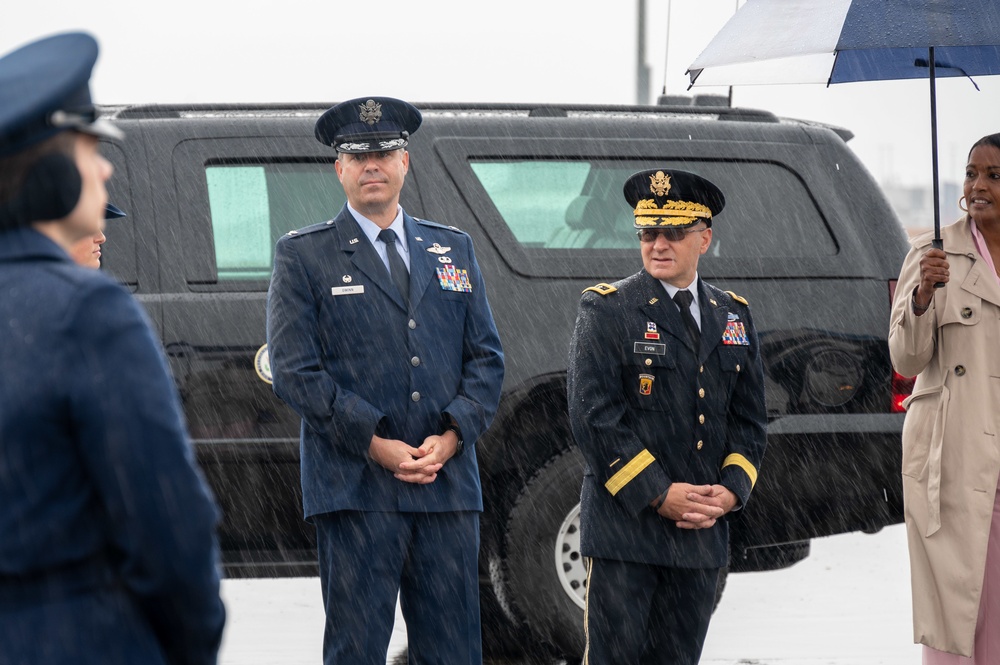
(653, 349)
(347, 290)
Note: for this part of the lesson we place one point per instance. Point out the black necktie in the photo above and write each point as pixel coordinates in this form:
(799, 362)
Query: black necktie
(397, 269)
(684, 300)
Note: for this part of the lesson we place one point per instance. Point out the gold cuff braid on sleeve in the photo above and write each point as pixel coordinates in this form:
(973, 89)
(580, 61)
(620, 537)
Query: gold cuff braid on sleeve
(735, 459)
(628, 472)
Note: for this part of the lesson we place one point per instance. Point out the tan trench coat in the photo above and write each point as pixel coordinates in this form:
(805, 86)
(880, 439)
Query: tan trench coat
(951, 452)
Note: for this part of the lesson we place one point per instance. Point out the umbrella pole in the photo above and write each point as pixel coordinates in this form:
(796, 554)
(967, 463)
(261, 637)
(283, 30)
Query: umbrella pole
(937, 243)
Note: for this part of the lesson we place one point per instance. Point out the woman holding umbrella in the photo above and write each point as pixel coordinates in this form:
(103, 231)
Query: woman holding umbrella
(949, 338)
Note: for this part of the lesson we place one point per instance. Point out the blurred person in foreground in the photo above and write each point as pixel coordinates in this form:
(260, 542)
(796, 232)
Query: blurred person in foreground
(87, 252)
(107, 547)
(381, 338)
(949, 338)
(666, 401)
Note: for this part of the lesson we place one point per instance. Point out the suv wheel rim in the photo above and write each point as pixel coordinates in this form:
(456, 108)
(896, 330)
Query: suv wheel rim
(570, 564)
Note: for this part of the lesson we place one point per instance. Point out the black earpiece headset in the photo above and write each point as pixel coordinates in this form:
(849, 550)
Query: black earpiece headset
(50, 191)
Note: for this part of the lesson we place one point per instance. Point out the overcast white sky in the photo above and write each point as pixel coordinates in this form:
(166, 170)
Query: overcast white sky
(457, 50)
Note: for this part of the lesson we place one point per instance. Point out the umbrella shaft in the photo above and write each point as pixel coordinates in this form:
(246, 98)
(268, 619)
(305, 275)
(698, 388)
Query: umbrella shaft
(934, 147)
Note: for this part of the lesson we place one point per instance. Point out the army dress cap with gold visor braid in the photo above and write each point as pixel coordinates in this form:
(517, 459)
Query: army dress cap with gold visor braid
(665, 198)
(368, 124)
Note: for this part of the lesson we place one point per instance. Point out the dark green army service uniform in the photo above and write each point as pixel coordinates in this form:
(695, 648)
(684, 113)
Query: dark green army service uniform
(649, 408)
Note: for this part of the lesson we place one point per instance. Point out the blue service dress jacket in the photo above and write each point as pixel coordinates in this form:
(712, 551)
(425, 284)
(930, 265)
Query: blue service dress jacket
(107, 531)
(352, 360)
(647, 409)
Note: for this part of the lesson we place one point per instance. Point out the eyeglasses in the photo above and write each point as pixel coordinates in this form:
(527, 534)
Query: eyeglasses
(671, 235)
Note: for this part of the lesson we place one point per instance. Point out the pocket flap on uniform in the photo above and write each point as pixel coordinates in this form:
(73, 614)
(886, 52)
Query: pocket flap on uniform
(733, 358)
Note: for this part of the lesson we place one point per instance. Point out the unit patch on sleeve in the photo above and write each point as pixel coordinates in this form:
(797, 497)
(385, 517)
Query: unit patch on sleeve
(454, 279)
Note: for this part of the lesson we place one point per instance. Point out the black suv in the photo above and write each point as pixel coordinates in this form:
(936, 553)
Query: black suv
(807, 237)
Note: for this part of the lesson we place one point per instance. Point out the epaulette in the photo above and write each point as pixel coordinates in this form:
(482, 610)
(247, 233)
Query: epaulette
(427, 222)
(738, 298)
(601, 289)
(322, 226)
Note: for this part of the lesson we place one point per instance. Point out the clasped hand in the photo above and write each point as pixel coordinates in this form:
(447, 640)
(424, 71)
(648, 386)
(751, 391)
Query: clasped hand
(696, 506)
(414, 465)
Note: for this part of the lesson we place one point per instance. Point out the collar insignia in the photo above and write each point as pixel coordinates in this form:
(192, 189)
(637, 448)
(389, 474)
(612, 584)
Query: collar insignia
(371, 112)
(353, 241)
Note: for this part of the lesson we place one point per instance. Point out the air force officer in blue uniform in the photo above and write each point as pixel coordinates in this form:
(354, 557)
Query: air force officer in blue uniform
(107, 547)
(666, 401)
(381, 338)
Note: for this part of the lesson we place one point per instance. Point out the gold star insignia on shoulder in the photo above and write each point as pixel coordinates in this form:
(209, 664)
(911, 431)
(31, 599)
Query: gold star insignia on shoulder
(738, 298)
(602, 289)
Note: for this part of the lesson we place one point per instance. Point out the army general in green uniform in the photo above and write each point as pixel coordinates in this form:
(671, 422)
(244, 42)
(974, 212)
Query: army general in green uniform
(666, 401)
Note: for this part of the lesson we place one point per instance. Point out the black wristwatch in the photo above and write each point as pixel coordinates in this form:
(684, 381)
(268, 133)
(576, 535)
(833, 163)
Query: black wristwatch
(453, 427)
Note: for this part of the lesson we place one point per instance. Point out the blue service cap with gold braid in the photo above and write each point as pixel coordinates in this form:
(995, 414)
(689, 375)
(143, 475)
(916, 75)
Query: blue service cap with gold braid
(368, 124)
(665, 197)
(45, 89)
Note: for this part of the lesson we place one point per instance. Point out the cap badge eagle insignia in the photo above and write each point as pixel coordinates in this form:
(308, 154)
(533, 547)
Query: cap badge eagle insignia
(659, 183)
(371, 112)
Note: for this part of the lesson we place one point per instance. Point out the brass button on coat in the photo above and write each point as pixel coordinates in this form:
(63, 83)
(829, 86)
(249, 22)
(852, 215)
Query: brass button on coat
(701, 444)
(959, 370)
(966, 312)
(649, 361)
(701, 392)
(701, 419)
(737, 367)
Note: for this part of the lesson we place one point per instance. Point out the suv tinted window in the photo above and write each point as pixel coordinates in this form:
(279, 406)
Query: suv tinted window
(251, 206)
(578, 204)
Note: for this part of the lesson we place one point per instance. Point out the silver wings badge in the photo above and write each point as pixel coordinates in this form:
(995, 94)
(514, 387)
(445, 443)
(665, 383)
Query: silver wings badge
(438, 249)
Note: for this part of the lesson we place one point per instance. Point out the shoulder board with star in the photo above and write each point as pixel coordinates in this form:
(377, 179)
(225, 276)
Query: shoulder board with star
(737, 298)
(601, 289)
(322, 226)
(435, 225)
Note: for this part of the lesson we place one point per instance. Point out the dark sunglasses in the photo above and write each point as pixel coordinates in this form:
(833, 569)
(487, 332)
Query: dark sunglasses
(672, 235)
